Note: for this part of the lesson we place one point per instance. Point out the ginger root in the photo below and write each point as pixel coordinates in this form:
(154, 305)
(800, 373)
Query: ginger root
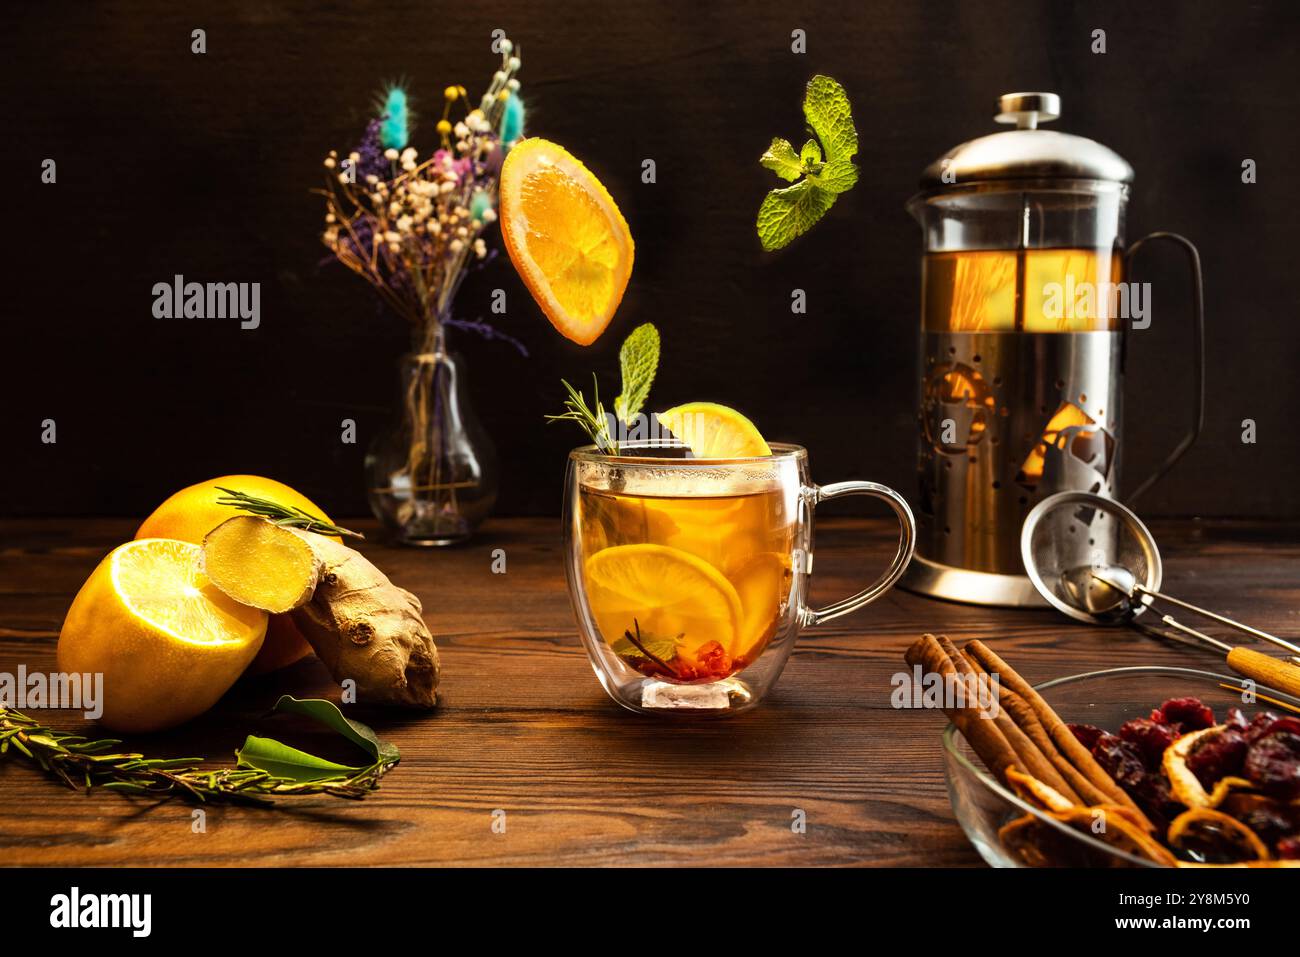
(361, 625)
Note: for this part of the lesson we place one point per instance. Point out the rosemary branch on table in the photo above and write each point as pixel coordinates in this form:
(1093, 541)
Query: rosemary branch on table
(282, 514)
(85, 764)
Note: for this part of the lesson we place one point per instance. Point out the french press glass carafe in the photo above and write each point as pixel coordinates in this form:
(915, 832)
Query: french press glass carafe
(1026, 300)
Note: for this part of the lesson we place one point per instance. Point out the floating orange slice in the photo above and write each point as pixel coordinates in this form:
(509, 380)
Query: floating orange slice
(566, 237)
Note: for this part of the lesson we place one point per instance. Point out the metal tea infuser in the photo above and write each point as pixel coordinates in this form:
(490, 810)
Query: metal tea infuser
(1094, 559)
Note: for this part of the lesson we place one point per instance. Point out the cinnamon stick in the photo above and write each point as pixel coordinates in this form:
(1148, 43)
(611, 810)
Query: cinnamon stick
(1033, 759)
(1061, 735)
(1027, 720)
(983, 736)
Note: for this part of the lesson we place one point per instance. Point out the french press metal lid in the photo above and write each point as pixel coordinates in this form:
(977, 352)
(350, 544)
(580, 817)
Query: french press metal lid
(1027, 152)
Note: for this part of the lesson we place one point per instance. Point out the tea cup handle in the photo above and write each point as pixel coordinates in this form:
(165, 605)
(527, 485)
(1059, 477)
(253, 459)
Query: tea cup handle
(906, 545)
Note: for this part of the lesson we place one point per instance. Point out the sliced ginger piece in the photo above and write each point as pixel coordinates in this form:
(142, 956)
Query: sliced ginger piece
(261, 564)
(363, 627)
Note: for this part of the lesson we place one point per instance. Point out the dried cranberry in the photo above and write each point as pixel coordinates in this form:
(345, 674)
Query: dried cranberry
(1217, 756)
(1121, 760)
(1286, 723)
(1260, 725)
(1273, 764)
(1289, 848)
(1087, 734)
(1188, 712)
(1149, 737)
(1156, 798)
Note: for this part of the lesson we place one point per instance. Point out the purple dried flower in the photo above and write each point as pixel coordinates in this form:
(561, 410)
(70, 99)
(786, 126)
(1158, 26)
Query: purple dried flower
(371, 151)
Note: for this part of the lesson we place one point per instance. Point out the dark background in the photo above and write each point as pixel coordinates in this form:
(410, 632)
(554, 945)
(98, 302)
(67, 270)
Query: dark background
(170, 163)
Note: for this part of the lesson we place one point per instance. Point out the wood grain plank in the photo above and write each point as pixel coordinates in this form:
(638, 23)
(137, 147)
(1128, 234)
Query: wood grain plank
(524, 727)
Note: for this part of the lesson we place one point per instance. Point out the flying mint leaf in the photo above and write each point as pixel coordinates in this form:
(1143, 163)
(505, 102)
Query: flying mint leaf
(789, 213)
(826, 108)
(837, 176)
(638, 359)
(782, 160)
(824, 162)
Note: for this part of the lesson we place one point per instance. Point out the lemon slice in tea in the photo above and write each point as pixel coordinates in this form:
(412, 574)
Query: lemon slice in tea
(713, 431)
(665, 594)
(762, 584)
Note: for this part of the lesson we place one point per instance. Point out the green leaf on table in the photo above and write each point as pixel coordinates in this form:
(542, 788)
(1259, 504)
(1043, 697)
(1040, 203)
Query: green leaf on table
(825, 162)
(282, 761)
(788, 213)
(328, 714)
(638, 360)
(781, 159)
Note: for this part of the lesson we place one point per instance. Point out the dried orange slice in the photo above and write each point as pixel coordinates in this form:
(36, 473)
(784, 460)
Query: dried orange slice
(1186, 787)
(566, 237)
(1204, 826)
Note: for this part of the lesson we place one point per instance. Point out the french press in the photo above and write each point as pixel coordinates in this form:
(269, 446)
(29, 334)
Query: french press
(1027, 298)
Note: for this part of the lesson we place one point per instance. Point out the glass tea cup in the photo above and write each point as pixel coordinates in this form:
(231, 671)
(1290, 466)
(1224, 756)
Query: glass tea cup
(688, 577)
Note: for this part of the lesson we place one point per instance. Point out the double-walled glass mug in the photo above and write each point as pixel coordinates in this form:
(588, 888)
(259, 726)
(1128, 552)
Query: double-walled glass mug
(689, 576)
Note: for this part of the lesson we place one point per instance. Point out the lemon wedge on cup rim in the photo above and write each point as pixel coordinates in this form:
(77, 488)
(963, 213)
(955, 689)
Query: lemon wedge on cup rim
(713, 431)
(168, 643)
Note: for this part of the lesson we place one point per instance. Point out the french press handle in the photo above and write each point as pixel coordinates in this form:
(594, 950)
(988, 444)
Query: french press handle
(1198, 344)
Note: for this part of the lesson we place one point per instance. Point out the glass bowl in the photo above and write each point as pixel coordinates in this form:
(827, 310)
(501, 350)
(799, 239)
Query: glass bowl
(1103, 698)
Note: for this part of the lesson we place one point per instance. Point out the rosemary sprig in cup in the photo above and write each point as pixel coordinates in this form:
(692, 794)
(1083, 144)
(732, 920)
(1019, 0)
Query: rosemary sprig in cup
(638, 360)
(592, 421)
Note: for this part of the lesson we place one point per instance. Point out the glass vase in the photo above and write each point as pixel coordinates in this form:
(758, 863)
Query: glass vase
(432, 476)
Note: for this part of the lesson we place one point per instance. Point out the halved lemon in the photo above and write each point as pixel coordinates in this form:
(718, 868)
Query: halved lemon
(664, 593)
(167, 642)
(713, 431)
(566, 237)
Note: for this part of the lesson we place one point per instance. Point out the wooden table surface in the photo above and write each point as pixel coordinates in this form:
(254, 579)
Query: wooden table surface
(524, 728)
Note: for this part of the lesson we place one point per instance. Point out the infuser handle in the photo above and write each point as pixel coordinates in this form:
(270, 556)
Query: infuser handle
(906, 546)
(1265, 669)
(1198, 341)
